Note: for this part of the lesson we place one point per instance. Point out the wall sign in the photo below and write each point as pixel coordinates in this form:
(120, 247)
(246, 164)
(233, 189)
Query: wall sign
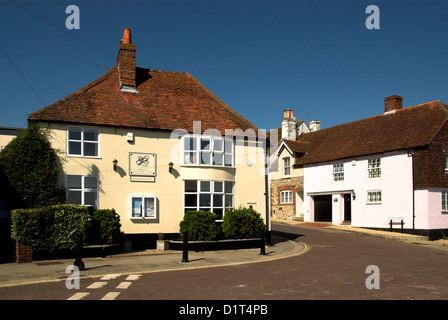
(142, 166)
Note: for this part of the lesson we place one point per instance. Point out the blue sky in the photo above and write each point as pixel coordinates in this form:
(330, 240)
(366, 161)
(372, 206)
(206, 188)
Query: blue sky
(259, 57)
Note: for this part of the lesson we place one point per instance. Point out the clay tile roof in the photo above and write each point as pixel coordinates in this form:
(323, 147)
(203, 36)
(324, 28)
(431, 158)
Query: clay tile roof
(403, 129)
(165, 101)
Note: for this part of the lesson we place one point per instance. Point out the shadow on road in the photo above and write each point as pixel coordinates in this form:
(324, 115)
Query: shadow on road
(281, 236)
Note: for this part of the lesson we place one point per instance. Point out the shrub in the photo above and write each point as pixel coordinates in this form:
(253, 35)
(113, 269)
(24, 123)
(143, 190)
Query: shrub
(50, 227)
(242, 223)
(31, 166)
(105, 227)
(201, 226)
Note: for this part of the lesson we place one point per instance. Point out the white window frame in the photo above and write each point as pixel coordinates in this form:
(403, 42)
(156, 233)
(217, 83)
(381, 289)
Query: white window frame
(286, 166)
(338, 172)
(83, 189)
(216, 153)
(374, 197)
(143, 215)
(212, 190)
(446, 162)
(82, 141)
(286, 197)
(374, 168)
(444, 202)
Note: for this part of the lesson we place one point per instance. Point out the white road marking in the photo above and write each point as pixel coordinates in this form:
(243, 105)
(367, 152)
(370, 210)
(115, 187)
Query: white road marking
(133, 277)
(124, 285)
(110, 276)
(110, 296)
(97, 285)
(78, 296)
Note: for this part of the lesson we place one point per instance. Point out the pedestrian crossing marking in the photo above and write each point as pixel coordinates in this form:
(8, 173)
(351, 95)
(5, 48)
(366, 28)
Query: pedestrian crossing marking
(110, 276)
(124, 285)
(78, 296)
(110, 296)
(97, 285)
(133, 277)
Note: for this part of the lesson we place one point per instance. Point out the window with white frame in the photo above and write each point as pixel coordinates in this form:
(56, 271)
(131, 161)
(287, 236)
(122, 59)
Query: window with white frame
(208, 195)
(374, 168)
(82, 190)
(374, 197)
(208, 150)
(286, 197)
(287, 166)
(338, 172)
(82, 141)
(445, 200)
(143, 207)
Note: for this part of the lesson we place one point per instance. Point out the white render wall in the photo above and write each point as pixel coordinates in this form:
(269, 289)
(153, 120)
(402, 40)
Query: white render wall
(395, 184)
(428, 210)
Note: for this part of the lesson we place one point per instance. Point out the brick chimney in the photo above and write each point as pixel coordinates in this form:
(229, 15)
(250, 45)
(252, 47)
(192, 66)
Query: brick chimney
(289, 125)
(393, 103)
(126, 63)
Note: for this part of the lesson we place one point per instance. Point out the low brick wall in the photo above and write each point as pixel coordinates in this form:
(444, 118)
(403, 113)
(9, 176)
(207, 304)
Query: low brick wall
(23, 253)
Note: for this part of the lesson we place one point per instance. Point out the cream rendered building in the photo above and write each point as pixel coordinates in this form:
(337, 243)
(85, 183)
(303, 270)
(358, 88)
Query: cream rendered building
(153, 144)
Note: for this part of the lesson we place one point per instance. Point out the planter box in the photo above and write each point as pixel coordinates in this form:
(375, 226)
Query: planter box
(230, 244)
(163, 245)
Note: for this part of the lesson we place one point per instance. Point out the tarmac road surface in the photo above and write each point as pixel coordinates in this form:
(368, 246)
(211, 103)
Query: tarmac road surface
(333, 266)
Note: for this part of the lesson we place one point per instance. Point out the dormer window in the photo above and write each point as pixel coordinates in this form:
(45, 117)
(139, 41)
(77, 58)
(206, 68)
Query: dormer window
(287, 166)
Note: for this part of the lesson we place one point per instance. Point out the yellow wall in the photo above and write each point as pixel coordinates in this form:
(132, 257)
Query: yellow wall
(115, 187)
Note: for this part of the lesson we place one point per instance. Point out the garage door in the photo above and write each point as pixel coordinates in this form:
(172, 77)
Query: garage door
(322, 208)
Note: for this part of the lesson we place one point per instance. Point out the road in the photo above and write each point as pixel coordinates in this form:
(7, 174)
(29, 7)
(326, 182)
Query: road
(334, 267)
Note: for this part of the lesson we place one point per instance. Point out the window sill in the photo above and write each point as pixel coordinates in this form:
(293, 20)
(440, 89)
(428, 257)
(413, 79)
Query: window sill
(205, 166)
(142, 218)
(373, 203)
(85, 157)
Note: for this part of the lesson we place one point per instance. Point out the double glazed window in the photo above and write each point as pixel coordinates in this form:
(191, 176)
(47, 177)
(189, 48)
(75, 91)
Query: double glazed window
(83, 142)
(82, 190)
(208, 195)
(286, 197)
(208, 150)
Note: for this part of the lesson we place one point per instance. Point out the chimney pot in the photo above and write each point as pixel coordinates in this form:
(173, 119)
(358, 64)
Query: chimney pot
(393, 103)
(127, 39)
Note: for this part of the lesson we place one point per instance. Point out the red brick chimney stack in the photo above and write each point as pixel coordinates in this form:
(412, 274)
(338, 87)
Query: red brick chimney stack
(393, 103)
(126, 63)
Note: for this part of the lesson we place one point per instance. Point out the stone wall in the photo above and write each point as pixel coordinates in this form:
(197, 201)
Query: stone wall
(285, 211)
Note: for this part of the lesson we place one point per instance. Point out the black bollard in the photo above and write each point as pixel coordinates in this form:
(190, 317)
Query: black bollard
(78, 261)
(263, 242)
(185, 248)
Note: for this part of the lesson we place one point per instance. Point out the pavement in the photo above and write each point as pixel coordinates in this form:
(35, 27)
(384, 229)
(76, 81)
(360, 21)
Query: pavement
(148, 261)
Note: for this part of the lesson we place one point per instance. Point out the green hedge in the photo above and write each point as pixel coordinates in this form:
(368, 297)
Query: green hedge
(242, 223)
(201, 226)
(105, 227)
(51, 227)
(58, 226)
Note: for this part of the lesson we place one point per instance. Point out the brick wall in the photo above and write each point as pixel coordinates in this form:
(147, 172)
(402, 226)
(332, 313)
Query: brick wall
(23, 253)
(429, 163)
(284, 211)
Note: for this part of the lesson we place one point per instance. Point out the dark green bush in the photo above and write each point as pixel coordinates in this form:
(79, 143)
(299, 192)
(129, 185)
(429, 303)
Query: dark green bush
(105, 227)
(31, 166)
(50, 227)
(201, 226)
(242, 223)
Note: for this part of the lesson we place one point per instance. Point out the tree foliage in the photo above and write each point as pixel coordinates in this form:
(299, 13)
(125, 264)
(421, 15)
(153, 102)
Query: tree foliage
(31, 165)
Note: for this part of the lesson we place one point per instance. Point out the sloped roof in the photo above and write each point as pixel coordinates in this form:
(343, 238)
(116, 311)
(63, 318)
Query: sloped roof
(405, 128)
(165, 101)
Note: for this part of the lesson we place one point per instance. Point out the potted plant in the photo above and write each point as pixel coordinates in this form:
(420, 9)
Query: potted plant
(162, 244)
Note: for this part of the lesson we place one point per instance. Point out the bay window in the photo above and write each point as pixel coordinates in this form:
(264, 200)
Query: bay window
(208, 150)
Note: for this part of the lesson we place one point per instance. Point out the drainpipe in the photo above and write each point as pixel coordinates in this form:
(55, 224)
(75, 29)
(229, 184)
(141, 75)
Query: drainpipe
(411, 154)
